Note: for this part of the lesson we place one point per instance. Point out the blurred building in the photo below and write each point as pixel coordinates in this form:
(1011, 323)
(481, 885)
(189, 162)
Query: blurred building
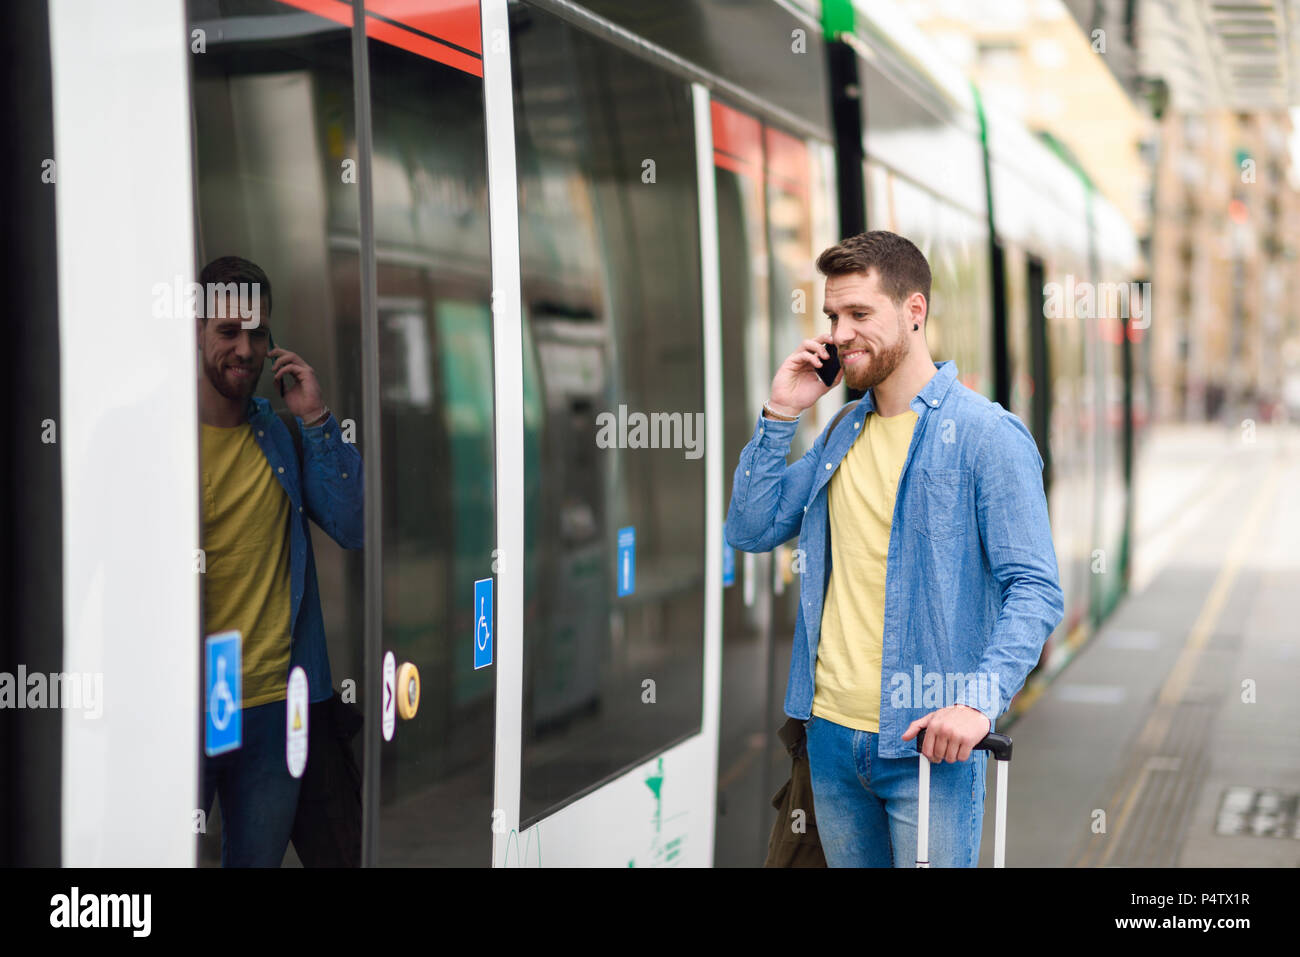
(1225, 340)
(1180, 112)
(1226, 326)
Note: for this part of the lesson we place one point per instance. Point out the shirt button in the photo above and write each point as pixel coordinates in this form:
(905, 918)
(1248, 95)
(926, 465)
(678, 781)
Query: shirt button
(934, 401)
(299, 508)
(746, 471)
(260, 433)
(345, 474)
(828, 466)
(327, 435)
(856, 424)
(280, 470)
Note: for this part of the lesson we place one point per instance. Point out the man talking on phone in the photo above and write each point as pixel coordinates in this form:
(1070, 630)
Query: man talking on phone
(260, 576)
(930, 580)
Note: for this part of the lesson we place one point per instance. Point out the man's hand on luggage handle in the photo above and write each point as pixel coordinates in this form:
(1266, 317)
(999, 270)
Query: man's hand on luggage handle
(950, 733)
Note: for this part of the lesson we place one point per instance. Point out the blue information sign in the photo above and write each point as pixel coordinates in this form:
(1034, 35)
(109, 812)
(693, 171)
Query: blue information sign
(224, 693)
(482, 623)
(626, 560)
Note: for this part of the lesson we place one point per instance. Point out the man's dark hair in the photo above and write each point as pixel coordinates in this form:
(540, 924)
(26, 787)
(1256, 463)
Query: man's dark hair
(235, 269)
(899, 264)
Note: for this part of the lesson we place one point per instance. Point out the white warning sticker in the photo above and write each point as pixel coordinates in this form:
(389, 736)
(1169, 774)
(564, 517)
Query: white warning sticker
(297, 711)
(389, 696)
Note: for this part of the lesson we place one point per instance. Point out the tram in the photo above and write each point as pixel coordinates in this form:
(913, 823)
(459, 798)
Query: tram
(488, 224)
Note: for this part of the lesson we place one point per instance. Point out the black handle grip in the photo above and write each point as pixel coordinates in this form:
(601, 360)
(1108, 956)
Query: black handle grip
(999, 745)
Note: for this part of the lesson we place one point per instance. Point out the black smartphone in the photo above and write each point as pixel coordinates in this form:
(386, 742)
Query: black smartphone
(287, 381)
(830, 367)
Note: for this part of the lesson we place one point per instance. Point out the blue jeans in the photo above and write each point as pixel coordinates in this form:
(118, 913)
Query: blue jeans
(865, 805)
(259, 797)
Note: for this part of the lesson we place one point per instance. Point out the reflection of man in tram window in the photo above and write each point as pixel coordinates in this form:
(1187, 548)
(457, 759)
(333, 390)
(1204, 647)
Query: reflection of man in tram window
(260, 576)
(927, 501)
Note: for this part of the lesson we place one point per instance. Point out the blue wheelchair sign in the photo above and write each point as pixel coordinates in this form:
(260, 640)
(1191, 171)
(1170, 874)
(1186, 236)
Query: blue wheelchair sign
(482, 623)
(223, 726)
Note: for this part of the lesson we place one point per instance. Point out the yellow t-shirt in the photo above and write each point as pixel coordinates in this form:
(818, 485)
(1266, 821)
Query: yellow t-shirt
(246, 541)
(861, 501)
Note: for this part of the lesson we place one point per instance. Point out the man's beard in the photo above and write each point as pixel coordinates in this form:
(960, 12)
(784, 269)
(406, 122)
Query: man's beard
(219, 382)
(879, 365)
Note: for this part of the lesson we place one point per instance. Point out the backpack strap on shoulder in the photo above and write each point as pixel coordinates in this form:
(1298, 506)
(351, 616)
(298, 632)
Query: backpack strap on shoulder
(839, 416)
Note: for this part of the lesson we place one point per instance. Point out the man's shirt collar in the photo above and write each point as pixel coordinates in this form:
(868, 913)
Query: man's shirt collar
(931, 394)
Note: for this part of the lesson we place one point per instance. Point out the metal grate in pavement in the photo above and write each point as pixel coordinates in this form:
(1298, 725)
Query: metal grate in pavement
(1258, 812)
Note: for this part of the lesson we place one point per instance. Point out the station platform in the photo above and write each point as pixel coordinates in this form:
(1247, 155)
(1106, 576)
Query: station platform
(1170, 739)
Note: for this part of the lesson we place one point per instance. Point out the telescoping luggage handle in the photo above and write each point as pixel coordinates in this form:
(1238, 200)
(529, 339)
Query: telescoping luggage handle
(999, 745)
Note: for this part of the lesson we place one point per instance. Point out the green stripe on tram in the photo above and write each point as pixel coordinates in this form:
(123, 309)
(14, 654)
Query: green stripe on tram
(837, 18)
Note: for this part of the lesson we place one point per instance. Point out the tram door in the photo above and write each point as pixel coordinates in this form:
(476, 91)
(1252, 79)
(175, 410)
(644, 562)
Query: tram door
(437, 418)
(277, 159)
(744, 812)
(773, 219)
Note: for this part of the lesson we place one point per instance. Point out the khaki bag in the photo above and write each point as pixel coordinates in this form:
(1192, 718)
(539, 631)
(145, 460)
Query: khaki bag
(794, 841)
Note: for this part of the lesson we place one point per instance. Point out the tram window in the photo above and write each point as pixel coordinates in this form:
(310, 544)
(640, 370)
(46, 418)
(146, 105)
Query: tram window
(934, 144)
(273, 117)
(961, 297)
(795, 287)
(611, 292)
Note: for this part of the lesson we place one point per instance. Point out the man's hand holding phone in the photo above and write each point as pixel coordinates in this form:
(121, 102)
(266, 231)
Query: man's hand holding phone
(297, 383)
(800, 382)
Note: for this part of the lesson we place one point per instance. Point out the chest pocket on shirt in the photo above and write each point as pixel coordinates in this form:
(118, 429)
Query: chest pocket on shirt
(945, 503)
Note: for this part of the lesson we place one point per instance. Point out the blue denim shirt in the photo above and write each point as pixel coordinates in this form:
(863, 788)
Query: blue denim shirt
(971, 584)
(331, 492)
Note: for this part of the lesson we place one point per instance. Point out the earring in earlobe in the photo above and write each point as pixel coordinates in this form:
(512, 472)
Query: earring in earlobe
(915, 327)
